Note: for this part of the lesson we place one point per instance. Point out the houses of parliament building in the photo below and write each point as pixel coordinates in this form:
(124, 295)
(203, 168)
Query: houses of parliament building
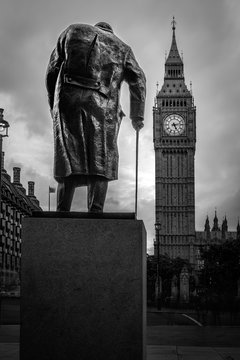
(15, 203)
(174, 137)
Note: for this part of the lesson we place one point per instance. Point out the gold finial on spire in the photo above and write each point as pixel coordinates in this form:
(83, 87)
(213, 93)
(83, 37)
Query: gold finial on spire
(173, 23)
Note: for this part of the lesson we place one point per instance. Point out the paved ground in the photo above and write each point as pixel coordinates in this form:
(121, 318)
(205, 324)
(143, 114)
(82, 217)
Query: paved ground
(170, 336)
(220, 336)
(156, 352)
(9, 351)
(9, 343)
(204, 317)
(189, 340)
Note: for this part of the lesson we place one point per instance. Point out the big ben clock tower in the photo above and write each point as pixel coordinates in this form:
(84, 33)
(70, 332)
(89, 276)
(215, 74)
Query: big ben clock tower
(174, 117)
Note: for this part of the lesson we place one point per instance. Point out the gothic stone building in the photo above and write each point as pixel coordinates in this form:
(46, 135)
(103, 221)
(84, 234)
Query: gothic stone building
(215, 235)
(14, 205)
(174, 136)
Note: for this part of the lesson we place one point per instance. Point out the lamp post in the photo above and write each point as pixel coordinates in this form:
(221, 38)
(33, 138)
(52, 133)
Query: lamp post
(158, 228)
(4, 125)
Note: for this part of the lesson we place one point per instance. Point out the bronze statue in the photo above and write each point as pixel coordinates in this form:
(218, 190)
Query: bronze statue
(83, 80)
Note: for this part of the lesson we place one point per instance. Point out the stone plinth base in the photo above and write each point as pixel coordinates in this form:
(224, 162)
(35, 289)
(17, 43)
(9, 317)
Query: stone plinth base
(83, 289)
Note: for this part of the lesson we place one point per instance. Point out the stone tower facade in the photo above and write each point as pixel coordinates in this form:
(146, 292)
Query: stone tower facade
(174, 127)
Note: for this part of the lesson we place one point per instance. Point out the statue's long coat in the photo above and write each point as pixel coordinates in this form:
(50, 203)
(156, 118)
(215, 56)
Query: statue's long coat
(83, 80)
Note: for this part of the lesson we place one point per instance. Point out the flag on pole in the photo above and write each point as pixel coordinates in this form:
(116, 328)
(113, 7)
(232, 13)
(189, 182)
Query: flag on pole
(52, 189)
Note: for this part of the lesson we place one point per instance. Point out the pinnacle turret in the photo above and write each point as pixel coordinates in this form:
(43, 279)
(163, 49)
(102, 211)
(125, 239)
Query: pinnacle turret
(207, 227)
(215, 223)
(225, 224)
(238, 231)
(224, 227)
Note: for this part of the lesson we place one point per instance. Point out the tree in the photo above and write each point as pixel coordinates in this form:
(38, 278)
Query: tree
(221, 269)
(167, 268)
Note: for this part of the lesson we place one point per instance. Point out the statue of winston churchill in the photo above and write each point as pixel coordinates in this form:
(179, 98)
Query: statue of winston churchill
(83, 80)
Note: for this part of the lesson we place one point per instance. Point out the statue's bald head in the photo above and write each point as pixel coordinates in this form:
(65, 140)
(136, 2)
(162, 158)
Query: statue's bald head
(104, 26)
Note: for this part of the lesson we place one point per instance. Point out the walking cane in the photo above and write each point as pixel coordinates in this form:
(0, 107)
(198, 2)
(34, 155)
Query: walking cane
(136, 187)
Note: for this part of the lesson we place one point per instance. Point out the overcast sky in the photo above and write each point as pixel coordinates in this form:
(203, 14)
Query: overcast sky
(208, 33)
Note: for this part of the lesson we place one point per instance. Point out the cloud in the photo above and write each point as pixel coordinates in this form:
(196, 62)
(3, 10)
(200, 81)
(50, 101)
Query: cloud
(208, 34)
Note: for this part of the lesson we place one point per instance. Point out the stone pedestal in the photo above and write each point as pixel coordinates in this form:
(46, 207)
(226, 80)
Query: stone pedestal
(83, 289)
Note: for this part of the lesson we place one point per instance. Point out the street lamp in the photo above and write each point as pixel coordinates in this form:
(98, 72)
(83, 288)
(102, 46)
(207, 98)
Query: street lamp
(158, 228)
(4, 125)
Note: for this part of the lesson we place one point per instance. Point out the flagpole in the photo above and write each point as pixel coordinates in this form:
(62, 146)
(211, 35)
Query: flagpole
(136, 177)
(48, 198)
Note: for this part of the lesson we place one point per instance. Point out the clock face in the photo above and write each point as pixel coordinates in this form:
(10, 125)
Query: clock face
(174, 125)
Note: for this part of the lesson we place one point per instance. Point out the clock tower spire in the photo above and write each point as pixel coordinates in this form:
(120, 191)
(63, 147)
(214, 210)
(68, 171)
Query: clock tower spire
(174, 63)
(174, 118)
